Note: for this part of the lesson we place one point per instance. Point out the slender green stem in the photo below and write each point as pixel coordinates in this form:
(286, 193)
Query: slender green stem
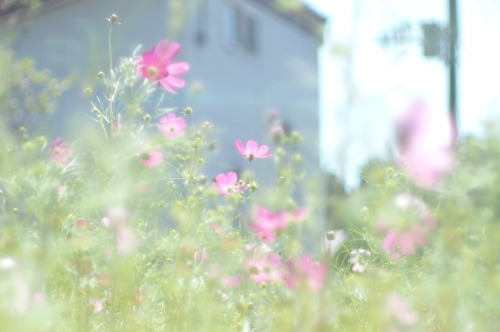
(109, 48)
(111, 100)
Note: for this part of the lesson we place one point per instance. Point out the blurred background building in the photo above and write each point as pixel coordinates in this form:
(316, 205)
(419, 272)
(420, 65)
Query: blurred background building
(248, 58)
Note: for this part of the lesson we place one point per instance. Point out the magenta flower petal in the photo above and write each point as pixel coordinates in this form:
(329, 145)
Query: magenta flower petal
(406, 243)
(241, 149)
(166, 85)
(178, 68)
(251, 147)
(171, 51)
(232, 178)
(262, 149)
(390, 241)
(174, 81)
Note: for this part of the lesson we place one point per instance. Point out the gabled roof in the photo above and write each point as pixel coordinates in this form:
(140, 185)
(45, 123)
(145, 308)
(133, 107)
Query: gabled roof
(302, 16)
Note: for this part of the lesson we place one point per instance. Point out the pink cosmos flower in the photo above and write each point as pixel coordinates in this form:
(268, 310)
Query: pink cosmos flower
(252, 150)
(426, 141)
(156, 65)
(172, 127)
(267, 223)
(60, 153)
(152, 158)
(261, 264)
(397, 243)
(227, 183)
(304, 272)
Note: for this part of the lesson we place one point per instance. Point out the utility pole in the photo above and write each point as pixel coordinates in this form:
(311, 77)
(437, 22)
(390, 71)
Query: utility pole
(439, 40)
(453, 37)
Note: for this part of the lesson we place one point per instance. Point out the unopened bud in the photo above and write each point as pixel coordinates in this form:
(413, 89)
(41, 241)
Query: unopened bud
(147, 117)
(188, 111)
(113, 18)
(100, 75)
(330, 235)
(88, 91)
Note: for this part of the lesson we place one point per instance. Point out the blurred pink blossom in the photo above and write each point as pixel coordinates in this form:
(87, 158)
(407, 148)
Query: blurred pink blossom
(172, 127)
(277, 133)
(97, 305)
(261, 264)
(228, 183)
(116, 217)
(267, 223)
(126, 240)
(252, 150)
(82, 223)
(426, 140)
(300, 214)
(156, 65)
(152, 158)
(398, 308)
(405, 241)
(304, 272)
(230, 282)
(60, 153)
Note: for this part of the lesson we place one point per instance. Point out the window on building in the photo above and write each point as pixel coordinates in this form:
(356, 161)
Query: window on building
(239, 28)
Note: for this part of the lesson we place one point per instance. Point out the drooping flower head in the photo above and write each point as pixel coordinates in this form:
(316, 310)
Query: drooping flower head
(304, 272)
(152, 158)
(252, 150)
(426, 139)
(227, 183)
(172, 127)
(60, 153)
(156, 65)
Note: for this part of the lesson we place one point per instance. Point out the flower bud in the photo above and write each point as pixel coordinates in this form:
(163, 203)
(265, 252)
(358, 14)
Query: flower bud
(330, 235)
(113, 19)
